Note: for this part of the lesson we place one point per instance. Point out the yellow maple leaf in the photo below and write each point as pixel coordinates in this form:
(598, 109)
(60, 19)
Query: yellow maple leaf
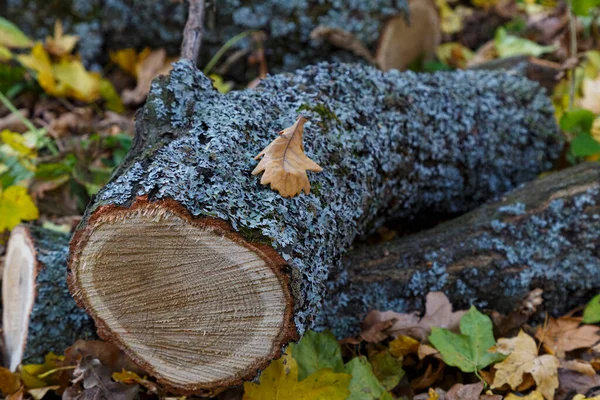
(280, 382)
(67, 78)
(15, 206)
(74, 81)
(523, 358)
(285, 163)
(60, 44)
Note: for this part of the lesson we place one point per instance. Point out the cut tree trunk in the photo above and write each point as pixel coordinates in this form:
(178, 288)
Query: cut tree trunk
(39, 314)
(544, 235)
(117, 24)
(201, 274)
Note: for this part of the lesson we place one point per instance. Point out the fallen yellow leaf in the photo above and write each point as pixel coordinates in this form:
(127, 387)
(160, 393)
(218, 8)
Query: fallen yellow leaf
(126, 59)
(39, 61)
(403, 345)
(67, 78)
(15, 206)
(523, 358)
(285, 163)
(74, 81)
(280, 382)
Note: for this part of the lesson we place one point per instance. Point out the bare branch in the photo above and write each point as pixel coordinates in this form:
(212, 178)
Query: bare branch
(193, 31)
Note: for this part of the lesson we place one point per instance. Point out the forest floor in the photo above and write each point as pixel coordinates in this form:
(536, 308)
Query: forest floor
(63, 128)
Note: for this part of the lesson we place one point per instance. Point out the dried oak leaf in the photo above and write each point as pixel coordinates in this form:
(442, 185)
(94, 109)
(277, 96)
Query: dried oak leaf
(93, 381)
(438, 313)
(285, 163)
(565, 334)
(523, 358)
(109, 355)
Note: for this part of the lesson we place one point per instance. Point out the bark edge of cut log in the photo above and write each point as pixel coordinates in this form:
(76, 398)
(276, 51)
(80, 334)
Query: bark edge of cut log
(390, 144)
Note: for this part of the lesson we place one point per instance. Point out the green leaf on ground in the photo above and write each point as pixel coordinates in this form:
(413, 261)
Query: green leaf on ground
(364, 384)
(510, 45)
(577, 121)
(584, 145)
(469, 350)
(387, 368)
(315, 351)
(591, 314)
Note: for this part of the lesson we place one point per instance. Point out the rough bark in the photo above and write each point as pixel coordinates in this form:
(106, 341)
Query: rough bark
(39, 314)
(543, 235)
(390, 145)
(114, 24)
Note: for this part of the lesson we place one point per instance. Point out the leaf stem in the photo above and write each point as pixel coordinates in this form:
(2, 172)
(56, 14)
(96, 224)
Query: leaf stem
(52, 371)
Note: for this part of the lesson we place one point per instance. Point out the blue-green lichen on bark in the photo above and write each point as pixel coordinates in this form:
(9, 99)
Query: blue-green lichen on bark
(102, 24)
(446, 142)
(545, 235)
(55, 322)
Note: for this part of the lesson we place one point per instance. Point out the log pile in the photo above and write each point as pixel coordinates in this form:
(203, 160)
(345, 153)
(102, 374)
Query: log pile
(202, 275)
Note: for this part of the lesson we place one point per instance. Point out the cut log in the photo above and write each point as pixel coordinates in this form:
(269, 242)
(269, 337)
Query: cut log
(545, 235)
(39, 315)
(117, 24)
(201, 274)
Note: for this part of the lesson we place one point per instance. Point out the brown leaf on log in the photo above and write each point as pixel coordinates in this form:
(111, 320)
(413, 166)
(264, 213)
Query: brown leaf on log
(285, 163)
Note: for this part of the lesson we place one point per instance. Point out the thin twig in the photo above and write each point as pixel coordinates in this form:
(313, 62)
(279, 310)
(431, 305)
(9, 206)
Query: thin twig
(193, 31)
(573, 51)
